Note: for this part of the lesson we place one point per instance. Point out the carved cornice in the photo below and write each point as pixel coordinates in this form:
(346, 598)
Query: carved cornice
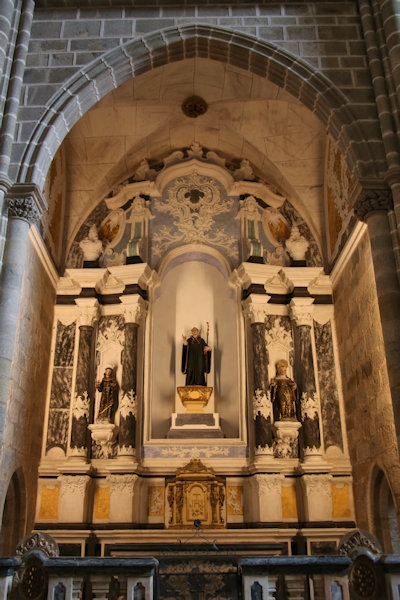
(373, 200)
(26, 202)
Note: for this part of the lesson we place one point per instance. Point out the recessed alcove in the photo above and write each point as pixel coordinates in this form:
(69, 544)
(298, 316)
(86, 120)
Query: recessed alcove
(194, 290)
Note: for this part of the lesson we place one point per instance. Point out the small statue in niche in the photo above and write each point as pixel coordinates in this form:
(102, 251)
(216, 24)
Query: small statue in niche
(283, 394)
(91, 245)
(108, 388)
(196, 355)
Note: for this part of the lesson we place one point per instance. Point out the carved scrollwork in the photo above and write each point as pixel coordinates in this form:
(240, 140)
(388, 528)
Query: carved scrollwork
(37, 541)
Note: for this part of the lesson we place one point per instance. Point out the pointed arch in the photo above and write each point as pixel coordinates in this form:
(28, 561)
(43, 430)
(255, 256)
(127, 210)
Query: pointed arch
(384, 515)
(14, 515)
(133, 58)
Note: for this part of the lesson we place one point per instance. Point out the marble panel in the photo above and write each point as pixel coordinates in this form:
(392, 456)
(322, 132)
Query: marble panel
(57, 429)
(260, 357)
(60, 395)
(304, 361)
(329, 397)
(84, 360)
(65, 345)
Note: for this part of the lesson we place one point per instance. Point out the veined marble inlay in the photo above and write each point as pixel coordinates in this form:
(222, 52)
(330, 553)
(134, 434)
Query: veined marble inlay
(330, 409)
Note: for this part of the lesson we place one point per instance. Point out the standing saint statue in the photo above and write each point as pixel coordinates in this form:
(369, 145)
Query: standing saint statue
(283, 394)
(196, 358)
(108, 388)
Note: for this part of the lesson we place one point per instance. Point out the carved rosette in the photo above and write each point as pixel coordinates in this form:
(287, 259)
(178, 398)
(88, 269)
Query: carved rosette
(371, 201)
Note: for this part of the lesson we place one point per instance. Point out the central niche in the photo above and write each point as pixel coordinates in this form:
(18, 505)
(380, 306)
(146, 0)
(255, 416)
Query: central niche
(194, 291)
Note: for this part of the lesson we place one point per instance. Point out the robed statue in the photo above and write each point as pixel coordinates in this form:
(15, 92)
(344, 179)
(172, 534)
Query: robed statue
(108, 388)
(196, 358)
(283, 394)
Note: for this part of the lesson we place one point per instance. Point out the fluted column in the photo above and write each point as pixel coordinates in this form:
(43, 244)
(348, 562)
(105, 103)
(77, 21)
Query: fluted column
(25, 207)
(302, 316)
(134, 311)
(82, 407)
(372, 207)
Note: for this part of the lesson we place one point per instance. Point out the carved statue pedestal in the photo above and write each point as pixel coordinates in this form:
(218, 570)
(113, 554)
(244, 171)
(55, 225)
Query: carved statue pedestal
(195, 423)
(194, 397)
(104, 435)
(287, 433)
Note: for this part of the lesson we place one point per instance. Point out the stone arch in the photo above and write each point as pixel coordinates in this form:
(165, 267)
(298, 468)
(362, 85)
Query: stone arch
(13, 523)
(129, 60)
(384, 516)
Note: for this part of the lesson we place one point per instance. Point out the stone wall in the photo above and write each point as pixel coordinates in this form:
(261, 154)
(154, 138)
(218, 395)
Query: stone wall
(369, 413)
(66, 42)
(27, 399)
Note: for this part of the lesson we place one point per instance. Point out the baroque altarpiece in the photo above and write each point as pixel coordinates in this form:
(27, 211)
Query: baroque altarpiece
(194, 240)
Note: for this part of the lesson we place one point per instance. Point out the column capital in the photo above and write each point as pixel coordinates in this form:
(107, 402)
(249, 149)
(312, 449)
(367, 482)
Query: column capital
(254, 307)
(135, 308)
(372, 200)
(302, 311)
(88, 311)
(26, 202)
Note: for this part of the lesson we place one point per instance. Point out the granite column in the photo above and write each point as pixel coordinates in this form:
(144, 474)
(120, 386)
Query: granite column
(372, 207)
